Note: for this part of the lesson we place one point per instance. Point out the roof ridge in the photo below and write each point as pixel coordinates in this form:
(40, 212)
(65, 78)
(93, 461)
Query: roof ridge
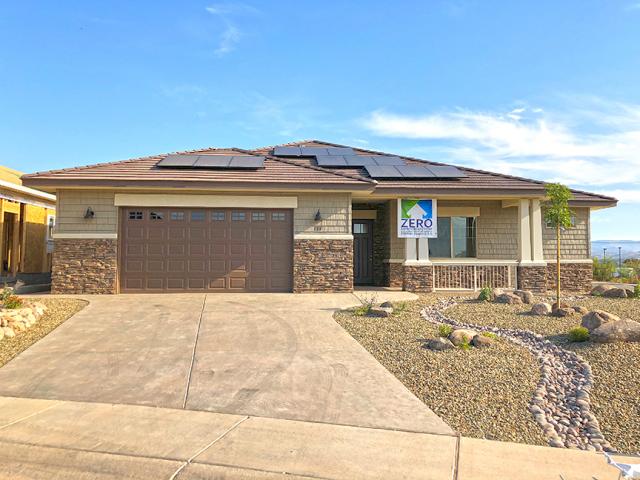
(496, 174)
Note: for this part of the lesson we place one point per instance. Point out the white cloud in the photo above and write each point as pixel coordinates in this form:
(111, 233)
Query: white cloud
(232, 34)
(625, 196)
(594, 143)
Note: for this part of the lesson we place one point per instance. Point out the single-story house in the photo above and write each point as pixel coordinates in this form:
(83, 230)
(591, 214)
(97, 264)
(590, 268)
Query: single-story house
(308, 216)
(27, 217)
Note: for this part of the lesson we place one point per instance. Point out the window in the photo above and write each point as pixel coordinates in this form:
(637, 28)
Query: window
(177, 215)
(197, 216)
(217, 216)
(156, 216)
(258, 216)
(277, 216)
(237, 216)
(135, 215)
(360, 228)
(456, 238)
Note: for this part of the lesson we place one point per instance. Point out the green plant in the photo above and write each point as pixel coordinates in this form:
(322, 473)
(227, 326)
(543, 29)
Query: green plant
(466, 344)
(578, 334)
(12, 301)
(5, 293)
(489, 335)
(444, 330)
(399, 307)
(486, 294)
(604, 269)
(636, 291)
(558, 215)
(366, 305)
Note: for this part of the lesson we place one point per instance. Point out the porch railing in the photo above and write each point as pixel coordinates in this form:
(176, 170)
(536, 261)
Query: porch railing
(474, 276)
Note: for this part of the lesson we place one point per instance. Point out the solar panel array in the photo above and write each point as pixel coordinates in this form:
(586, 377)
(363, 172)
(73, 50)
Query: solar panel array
(413, 171)
(212, 161)
(311, 151)
(357, 160)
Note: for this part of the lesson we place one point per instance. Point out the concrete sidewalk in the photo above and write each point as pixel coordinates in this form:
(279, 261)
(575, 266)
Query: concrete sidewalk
(50, 439)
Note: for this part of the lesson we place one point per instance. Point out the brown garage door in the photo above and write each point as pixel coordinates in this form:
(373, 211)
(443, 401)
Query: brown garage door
(181, 249)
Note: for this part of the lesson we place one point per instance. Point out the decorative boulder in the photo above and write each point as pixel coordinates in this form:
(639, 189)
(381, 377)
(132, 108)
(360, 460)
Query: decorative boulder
(462, 335)
(597, 318)
(509, 299)
(616, 293)
(580, 309)
(438, 344)
(380, 312)
(386, 305)
(600, 289)
(481, 341)
(496, 292)
(618, 331)
(541, 309)
(564, 312)
(525, 295)
(8, 332)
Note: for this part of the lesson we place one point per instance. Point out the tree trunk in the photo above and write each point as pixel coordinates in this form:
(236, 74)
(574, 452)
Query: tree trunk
(558, 265)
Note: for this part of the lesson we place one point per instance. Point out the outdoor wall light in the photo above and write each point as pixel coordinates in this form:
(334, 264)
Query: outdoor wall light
(89, 213)
(318, 217)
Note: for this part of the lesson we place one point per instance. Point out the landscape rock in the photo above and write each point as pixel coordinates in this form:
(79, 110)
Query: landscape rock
(616, 293)
(597, 318)
(525, 295)
(439, 344)
(541, 309)
(600, 289)
(386, 305)
(564, 312)
(380, 312)
(462, 335)
(618, 331)
(496, 292)
(8, 332)
(509, 299)
(481, 341)
(580, 309)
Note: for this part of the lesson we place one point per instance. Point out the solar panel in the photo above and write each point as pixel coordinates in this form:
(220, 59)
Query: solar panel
(177, 161)
(331, 161)
(446, 171)
(357, 160)
(287, 151)
(413, 172)
(377, 171)
(340, 151)
(212, 161)
(246, 161)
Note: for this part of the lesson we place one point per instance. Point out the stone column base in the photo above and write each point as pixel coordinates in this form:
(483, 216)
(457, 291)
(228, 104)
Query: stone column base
(418, 278)
(322, 265)
(532, 278)
(84, 265)
(393, 274)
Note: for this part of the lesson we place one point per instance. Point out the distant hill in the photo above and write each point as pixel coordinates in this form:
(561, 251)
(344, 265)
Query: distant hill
(629, 248)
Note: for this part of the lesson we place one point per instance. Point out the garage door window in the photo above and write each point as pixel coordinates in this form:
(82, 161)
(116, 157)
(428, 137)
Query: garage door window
(258, 216)
(156, 216)
(237, 216)
(217, 216)
(277, 216)
(177, 215)
(135, 215)
(197, 216)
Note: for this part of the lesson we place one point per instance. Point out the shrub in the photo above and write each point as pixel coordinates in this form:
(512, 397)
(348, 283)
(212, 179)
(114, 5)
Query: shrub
(445, 330)
(399, 307)
(466, 344)
(489, 335)
(12, 301)
(603, 270)
(486, 294)
(636, 291)
(366, 304)
(578, 334)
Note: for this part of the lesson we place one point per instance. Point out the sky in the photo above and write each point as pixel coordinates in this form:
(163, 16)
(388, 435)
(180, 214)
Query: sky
(542, 89)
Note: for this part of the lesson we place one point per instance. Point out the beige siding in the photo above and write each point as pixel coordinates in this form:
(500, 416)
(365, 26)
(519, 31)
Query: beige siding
(335, 210)
(574, 242)
(497, 229)
(396, 245)
(72, 205)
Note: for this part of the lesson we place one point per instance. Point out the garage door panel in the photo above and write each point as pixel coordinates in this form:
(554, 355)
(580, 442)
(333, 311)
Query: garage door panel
(206, 250)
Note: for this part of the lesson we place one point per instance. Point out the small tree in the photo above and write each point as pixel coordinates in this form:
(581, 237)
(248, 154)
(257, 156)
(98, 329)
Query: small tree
(558, 214)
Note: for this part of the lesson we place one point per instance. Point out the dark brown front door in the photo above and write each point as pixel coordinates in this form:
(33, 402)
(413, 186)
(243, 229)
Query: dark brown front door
(363, 252)
(206, 249)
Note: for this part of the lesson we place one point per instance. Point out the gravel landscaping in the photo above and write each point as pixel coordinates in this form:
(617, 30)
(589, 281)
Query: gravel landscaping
(480, 392)
(615, 396)
(58, 310)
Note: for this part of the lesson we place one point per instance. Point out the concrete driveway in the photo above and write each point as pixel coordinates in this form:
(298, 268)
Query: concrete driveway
(268, 355)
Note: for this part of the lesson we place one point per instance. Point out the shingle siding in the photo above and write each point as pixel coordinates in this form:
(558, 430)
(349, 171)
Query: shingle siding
(335, 210)
(72, 206)
(574, 242)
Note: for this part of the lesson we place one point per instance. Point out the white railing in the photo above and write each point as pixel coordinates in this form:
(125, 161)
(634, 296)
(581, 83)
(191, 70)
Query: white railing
(473, 275)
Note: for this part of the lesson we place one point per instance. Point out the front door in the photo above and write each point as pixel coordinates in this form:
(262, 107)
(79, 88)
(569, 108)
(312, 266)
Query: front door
(363, 252)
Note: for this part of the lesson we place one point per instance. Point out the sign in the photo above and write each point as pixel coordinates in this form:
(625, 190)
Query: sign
(417, 218)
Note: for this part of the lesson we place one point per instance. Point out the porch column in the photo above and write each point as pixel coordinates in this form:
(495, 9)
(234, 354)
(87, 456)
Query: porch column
(15, 244)
(410, 249)
(524, 231)
(537, 254)
(423, 249)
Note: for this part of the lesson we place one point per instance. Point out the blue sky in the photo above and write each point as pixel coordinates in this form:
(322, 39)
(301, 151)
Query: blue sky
(541, 89)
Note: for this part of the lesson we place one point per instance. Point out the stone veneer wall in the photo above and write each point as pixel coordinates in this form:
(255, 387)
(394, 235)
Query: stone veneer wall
(322, 265)
(532, 278)
(418, 278)
(84, 266)
(393, 275)
(574, 277)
